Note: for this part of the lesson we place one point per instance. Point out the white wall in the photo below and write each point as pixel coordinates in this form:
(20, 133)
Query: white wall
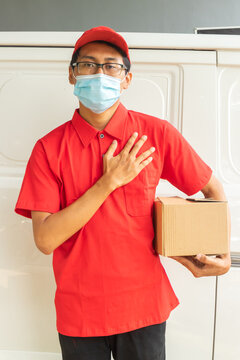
(126, 16)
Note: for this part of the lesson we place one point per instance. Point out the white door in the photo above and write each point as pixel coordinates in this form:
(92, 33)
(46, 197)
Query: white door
(35, 97)
(228, 310)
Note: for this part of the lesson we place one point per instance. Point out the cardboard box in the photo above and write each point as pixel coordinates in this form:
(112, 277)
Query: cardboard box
(186, 227)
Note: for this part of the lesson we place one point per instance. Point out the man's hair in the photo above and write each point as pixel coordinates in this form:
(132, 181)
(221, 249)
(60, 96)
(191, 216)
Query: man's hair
(126, 62)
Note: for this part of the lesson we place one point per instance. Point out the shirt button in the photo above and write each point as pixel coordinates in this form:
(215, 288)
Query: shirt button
(101, 136)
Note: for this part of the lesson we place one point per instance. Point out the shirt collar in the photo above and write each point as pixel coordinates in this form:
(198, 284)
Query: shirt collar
(115, 127)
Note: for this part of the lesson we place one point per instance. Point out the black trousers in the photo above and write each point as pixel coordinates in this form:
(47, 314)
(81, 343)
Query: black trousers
(146, 343)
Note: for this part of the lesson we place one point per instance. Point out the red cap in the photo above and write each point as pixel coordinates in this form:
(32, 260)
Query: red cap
(102, 33)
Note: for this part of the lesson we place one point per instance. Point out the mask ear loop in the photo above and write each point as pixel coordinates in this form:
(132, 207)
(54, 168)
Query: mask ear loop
(73, 74)
(123, 78)
(121, 82)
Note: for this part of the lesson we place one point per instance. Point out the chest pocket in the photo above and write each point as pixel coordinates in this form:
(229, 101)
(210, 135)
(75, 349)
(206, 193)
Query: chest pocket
(140, 193)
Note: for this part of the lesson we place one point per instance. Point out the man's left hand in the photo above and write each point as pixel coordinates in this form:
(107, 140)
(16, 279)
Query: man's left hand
(203, 265)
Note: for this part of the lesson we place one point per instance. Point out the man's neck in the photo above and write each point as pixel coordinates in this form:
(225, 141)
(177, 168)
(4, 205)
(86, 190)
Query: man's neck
(99, 121)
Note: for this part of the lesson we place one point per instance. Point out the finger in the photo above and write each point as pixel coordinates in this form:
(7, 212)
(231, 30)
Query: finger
(224, 256)
(208, 260)
(145, 163)
(129, 143)
(185, 261)
(181, 259)
(192, 259)
(144, 155)
(138, 145)
(110, 151)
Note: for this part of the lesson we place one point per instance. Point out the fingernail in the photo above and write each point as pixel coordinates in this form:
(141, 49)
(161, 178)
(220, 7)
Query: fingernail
(135, 134)
(114, 141)
(144, 137)
(153, 148)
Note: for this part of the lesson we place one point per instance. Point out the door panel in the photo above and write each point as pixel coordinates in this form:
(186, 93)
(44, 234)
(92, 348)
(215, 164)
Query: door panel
(35, 97)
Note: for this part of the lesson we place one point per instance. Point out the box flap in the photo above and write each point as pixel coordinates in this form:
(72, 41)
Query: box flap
(204, 200)
(168, 200)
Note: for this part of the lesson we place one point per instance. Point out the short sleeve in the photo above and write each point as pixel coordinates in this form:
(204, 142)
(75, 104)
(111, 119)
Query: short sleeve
(40, 187)
(182, 166)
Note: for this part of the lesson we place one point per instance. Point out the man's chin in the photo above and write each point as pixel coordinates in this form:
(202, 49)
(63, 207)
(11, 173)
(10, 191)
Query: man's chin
(84, 110)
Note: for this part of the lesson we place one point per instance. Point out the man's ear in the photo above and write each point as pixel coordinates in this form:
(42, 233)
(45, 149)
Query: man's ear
(125, 84)
(71, 78)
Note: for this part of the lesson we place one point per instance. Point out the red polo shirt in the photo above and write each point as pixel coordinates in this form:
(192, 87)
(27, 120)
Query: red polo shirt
(109, 278)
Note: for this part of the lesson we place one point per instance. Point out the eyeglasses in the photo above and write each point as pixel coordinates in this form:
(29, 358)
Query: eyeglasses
(87, 68)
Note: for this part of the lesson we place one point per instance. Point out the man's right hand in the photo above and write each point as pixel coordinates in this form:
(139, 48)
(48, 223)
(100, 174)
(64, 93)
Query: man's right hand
(51, 230)
(126, 166)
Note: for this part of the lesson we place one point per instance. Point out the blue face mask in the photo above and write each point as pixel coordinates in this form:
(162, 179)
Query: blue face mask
(97, 92)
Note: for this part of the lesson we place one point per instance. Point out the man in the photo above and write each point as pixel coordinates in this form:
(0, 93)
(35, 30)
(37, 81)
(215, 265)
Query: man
(89, 188)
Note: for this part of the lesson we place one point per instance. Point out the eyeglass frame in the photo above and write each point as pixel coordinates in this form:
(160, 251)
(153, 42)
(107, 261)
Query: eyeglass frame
(99, 65)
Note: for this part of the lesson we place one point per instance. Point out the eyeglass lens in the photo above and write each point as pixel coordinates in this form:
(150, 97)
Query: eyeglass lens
(85, 68)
